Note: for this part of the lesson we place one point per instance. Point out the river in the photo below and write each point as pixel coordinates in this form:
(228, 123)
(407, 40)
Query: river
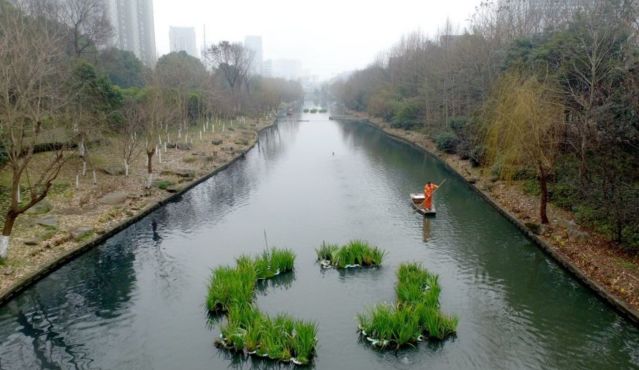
(137, 301)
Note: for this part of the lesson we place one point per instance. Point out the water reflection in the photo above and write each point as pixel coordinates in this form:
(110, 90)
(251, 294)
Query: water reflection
(281, 282)
(426, 225)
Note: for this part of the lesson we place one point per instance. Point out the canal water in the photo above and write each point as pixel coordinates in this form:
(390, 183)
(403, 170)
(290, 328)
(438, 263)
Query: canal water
(137, 301)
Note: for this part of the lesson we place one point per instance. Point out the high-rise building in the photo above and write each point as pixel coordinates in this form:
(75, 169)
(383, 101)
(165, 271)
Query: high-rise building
(254, 44)
(134, 27)
(183, 39)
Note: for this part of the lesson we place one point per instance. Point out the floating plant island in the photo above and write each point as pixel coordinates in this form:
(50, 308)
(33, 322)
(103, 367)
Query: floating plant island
(415, 316)
(356, 253)
(231, 292)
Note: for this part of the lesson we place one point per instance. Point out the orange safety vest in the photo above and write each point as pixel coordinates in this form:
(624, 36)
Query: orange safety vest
(429, 189)
(428, 195)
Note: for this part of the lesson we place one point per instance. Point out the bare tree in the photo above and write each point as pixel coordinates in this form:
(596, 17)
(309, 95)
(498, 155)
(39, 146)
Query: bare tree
(157, 112)
(132, 125)
(234, 61)
(88, 23)
(32, 66)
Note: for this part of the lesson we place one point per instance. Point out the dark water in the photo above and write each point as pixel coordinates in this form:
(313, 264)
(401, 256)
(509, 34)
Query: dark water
(137, 302)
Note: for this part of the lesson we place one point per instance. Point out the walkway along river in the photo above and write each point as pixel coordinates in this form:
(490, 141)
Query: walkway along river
(138, 300)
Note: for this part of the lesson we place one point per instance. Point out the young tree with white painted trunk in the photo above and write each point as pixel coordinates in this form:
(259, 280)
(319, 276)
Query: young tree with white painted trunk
(130, 131)
(157, 113)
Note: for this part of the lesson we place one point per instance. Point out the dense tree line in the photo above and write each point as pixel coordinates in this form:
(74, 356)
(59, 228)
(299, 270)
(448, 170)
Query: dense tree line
(546, 93)
(59, 80)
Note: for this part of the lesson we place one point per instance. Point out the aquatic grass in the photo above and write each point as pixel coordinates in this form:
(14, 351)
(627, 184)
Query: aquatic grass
(231, 291)
(304, 340)
(230, 286)
(283, 260)
(281, 338)
(326, 252)
(417, 285)
(415, 315)
(273, 262)
(355, 253)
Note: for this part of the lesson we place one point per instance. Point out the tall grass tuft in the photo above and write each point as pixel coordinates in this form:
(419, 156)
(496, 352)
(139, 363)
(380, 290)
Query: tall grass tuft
(273, 262)
(415, 315)
(230, 287)
(355, 253)
(231, 291)
(326, 252)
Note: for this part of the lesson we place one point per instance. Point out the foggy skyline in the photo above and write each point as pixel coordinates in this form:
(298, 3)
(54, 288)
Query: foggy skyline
(335, 37)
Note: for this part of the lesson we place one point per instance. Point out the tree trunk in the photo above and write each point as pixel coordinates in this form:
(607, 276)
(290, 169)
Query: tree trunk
(9, 221)
(149, 161)
(543, 184)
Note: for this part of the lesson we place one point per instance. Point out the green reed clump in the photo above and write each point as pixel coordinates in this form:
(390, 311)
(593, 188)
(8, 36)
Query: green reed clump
(281, 338)
(326, 252)
(230, 287)
(272, 263)
(231, 291)
(415, 315)
(354, 254)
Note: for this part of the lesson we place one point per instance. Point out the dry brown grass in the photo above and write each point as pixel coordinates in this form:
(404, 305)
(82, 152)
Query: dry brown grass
(81, 207)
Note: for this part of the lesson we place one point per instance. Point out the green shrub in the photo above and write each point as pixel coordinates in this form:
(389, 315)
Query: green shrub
(3, 155)
(563, 195)
(163, 184)
(476, 155)
(407, 114)
(447, 142)
(531, 187)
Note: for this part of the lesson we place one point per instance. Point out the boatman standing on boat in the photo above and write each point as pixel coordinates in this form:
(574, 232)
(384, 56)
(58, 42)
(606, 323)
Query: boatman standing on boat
(429, 189)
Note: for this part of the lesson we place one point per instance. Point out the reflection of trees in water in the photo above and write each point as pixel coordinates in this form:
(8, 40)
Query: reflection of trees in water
(97, 286)
(168, 272)
(49, 346)
(276, 140)
(219, 195)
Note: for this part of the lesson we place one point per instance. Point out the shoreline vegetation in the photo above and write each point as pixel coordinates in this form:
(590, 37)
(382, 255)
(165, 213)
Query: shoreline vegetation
(248, 330)
(612, 273)
(536, 105)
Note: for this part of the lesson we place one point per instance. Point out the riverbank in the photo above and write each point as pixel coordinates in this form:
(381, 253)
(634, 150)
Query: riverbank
(81, 213)
(612, 273)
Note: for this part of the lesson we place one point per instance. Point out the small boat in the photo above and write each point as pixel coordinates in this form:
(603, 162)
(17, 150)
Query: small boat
(417, 201)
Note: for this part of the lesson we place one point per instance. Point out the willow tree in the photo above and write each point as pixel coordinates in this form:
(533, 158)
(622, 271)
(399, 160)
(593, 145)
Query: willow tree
(524, 121)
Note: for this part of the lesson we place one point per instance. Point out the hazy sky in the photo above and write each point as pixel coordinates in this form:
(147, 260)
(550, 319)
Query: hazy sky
(328, 36)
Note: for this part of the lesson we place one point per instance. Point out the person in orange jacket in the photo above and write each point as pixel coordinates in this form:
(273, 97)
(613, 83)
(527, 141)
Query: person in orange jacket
(429, 189)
